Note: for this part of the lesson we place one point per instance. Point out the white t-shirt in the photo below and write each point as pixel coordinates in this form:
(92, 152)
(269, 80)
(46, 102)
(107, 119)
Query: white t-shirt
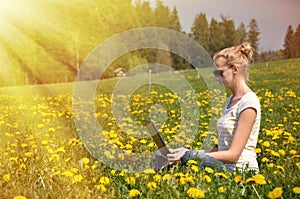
(227, 125)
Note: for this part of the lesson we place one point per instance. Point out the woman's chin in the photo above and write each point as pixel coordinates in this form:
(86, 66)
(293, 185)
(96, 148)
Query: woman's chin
(222, 84)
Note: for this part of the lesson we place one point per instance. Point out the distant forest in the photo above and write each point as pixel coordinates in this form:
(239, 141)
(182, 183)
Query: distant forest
(53, 40)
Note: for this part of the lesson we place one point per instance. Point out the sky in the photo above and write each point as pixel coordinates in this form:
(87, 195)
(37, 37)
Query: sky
(273, 16)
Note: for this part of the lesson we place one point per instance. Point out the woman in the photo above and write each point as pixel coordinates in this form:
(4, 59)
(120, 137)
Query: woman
(239, 125)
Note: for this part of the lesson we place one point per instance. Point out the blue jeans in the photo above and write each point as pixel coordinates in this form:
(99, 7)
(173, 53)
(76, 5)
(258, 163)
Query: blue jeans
(207, 161)
(160, 161)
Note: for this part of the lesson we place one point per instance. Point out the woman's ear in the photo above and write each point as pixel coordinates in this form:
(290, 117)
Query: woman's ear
(235, 68)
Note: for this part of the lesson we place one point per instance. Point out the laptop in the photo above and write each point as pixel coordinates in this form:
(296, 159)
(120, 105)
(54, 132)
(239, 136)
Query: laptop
(160, 159)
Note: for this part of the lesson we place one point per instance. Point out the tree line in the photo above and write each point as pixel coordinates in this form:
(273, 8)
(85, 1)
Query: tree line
(292, 42)
(50, 47)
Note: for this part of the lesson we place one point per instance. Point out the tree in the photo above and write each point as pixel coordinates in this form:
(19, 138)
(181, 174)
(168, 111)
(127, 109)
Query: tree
(253, 37)
(144, 13)
(216, 37)
(297, 41)
(200, 30)
(174, 20)
(161, 15)
(241, 33)
(288, 46)
(228, 31)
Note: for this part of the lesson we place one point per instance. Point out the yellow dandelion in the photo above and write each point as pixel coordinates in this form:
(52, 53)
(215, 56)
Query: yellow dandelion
(60, 149)
(237, 178)
(207, 178)
(221, 189)
(250, 180)
(143, 141)
(134, 192)
(149, 171)
(85, 160)
(77, 178)
(209, 170)
(195, 193)
(266, 144)
(51, 129)
(293, 152)
(104, 180)
(296, 190)
(28, 154)
(298, 165)
(192, 162)
(271, 165)
(151, 185)
(280, 168)
(166, 177)
(157, 177)
(195, 168)
(184, 180)
(101, 187)
(276, 193)
(259, 179)
(6, 177)
(20, 197)
(68, 173)
(223, 175)
(130, 180)
(274, 153)
(41, 125)
(258, 150)
(281, 152)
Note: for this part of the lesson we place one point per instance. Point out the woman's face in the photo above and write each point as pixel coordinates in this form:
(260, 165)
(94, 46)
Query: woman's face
(226, 76)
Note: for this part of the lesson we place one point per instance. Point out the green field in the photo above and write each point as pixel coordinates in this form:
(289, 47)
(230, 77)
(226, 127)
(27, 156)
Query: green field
(42, 156)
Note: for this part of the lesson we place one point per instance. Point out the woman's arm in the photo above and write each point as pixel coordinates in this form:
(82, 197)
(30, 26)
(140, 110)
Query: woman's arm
(240, 138)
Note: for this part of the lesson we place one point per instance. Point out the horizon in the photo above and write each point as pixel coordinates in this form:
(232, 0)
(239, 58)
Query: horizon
(272, 22)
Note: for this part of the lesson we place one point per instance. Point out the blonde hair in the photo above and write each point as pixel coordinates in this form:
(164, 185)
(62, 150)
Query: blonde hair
(240, 55)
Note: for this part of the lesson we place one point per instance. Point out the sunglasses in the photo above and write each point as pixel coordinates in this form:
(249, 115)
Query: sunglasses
(219, 73)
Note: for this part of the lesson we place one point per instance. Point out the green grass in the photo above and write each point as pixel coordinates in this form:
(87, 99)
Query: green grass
(42, 155)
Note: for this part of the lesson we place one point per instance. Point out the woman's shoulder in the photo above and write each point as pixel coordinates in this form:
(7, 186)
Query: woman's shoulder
(250, 96)
(250, 99)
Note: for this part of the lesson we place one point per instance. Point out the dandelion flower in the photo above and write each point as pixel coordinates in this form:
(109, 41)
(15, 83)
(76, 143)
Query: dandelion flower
(207, 178)
(276, 193)
(293, 152)
(296, 190)
(195, 193)
(166, 176)
(20, 197)
(134, 192)
(130, 180)
(151, 185)
(6, 177)
(259, 179)
(223, 175)
(221, 189)
(77, 178)
(195, 168)
(149, 171)
(85, 160)
(104, 180)
(209, 170)
(237, 178)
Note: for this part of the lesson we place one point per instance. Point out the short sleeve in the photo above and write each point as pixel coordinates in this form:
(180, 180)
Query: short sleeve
(249, 101)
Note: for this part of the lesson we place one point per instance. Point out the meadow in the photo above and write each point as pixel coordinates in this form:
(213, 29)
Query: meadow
(42, 155)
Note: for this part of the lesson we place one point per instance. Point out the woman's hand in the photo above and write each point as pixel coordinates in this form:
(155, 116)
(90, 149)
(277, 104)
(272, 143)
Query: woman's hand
(175, 155)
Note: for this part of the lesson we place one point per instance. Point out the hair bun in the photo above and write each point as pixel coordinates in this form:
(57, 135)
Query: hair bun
(246, 49)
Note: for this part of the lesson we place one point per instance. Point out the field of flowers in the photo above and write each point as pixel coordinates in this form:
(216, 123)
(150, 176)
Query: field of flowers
(42, 156)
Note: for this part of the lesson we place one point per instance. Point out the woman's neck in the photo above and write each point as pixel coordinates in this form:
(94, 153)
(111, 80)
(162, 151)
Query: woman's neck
(240, 89)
